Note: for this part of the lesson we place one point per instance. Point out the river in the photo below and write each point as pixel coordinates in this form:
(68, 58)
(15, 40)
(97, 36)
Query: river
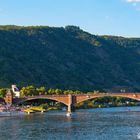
(122, 123)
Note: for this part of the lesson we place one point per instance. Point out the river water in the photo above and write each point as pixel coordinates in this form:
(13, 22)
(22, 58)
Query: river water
(91, 124)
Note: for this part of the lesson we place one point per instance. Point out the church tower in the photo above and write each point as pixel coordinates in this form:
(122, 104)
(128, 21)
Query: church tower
(9, 98)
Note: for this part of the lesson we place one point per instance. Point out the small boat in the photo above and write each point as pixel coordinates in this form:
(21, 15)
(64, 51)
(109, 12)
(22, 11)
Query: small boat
(38, 109)
(28, 110)
(68, 114)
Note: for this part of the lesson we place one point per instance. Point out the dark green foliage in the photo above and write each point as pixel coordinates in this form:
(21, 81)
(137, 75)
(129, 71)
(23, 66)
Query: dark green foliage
(3, 92)
(29, 91)
(108, 102)
(41, 90)
(68, 58)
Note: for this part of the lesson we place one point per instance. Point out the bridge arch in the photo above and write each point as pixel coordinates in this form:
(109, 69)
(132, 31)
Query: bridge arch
(90, 97)
(62, 100)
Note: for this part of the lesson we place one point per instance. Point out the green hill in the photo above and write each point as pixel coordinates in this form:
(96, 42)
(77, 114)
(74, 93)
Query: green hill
(68, 58)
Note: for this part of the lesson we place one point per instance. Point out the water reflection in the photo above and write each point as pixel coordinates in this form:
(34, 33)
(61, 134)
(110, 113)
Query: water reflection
(97, 124)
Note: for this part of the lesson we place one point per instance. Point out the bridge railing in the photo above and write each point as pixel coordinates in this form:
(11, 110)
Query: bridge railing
(46, 95)
(100, 93)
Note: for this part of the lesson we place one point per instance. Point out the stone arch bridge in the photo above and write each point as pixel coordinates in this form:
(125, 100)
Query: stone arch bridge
(72, 100)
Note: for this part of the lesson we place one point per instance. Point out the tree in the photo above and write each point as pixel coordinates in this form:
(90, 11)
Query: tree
(29, 91)
(58, 91)
(51, 91)
(3, 92)
(41, 90)
(77, 92)
(66, 92)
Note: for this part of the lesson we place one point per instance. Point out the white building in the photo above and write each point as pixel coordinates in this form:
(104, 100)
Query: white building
(16, 91)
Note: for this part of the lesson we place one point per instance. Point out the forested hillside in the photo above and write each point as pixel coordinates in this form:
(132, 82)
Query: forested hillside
(68, 58)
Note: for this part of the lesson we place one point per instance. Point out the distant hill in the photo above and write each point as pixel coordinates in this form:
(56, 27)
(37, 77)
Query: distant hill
(68, 58)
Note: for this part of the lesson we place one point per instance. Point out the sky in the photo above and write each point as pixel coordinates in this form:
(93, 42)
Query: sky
(99, 17)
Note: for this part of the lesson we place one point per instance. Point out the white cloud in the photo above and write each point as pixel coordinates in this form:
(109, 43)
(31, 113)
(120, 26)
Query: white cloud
(133, 1)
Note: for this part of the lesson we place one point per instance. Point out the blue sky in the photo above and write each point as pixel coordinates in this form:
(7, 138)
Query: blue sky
(111, 17)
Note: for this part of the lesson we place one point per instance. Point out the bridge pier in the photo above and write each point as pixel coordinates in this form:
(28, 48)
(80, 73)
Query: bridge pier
(71, 106)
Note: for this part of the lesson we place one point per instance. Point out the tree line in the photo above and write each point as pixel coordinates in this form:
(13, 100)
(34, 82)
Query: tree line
(33, 91)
